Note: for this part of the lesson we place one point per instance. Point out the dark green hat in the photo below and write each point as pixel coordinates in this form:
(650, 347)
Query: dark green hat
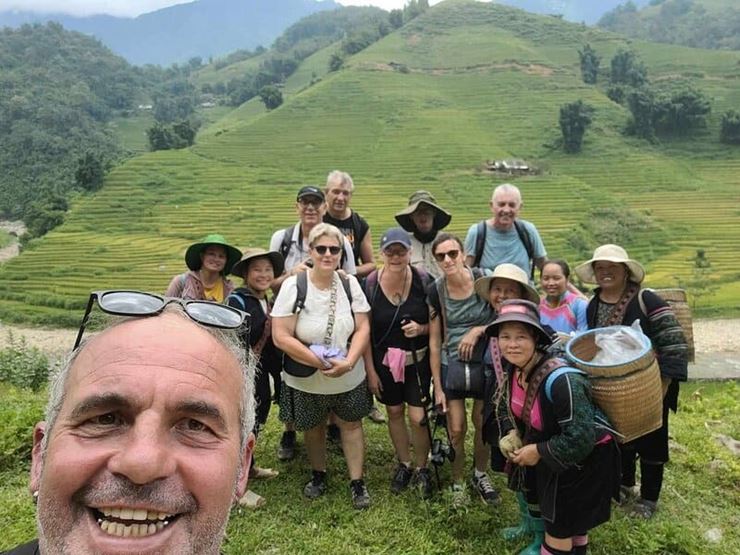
(192, 255)
(423, 198)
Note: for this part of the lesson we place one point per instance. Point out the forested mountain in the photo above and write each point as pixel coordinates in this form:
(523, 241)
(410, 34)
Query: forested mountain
(203, 28)
(57, 91)
(696, 23)
(588, 11)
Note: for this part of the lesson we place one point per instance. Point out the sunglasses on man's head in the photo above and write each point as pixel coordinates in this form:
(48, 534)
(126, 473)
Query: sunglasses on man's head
(321, 249)
(141, 304)
(440, 256)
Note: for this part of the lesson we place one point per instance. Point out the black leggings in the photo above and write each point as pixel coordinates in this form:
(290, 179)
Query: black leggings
(263, 394)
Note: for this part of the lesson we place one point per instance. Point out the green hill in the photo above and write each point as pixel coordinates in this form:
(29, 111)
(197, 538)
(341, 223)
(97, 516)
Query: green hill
(696, 23)
(422, 108)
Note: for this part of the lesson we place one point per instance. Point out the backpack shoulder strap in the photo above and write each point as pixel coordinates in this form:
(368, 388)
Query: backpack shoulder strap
(238, 298)
(541, 373)
(287, 239)
(524, 237)
(301, 283)
(347, 289)
(480, 242)
(439, 285)
(371, 285)
(555, 374)
(641, 300)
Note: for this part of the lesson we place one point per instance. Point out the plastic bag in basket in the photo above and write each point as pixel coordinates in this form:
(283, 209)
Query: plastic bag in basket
(618, 344)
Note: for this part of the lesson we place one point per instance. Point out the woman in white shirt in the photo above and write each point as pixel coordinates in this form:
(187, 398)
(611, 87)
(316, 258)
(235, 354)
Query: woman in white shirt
(323, 339)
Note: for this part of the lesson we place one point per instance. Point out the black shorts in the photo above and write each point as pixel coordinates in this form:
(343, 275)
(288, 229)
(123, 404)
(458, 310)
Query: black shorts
(408, 392)
(308, 410)
(454, 394)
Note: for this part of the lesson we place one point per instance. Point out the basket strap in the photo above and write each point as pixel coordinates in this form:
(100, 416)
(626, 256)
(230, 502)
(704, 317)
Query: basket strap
(617, 313)
(539, 375)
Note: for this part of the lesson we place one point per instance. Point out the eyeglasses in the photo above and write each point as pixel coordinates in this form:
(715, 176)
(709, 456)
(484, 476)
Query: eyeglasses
(440, 256)
(321, 249)
(395, 252)
(313, 202)
(138, 303)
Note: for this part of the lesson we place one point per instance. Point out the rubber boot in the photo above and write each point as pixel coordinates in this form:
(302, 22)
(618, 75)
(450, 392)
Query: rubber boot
(524, 528)
(538, 527)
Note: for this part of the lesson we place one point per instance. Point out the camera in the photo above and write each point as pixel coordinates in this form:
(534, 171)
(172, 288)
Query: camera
(441, 450)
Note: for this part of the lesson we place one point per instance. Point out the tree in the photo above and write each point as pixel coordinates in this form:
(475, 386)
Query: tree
(730, 128)
(336, 62)
(395, 18)
(642, 106)
(683, 112)
(590, 62)
(90, 172)
(271, 96)
(574, 119)
(628, 69)
(160, 137)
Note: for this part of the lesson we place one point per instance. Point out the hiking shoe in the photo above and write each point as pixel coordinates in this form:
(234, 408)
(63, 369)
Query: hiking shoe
(333, 433)
(317, 486)
(423, 481)
(259, 473)
(286, 450)
(360, 496)
(627, 494)
(376, 416)
(487, 492)
(401, 478)
(251, 500)
(644, 509)
(459, 496)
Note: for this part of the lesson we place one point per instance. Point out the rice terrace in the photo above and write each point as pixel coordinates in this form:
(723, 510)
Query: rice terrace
(424, 107)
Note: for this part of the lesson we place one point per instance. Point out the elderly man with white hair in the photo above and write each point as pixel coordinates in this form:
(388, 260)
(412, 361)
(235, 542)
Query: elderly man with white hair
(147, 439)
(505, 238)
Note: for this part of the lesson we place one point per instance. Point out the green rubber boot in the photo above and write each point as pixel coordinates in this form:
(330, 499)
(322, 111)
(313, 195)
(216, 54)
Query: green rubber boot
(524, 527)
(538, 527)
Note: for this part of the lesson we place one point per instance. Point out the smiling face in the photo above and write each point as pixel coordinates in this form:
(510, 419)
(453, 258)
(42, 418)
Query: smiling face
(324, 261)
(505, 208)
(396, 257)
(213, 258)
(553, 281)
(503, 289)
(260, 275)
(517, 343)
(423, 218)
(610, 276)
(338, 196)
(144, 456)
(450, 256)
(311, 210)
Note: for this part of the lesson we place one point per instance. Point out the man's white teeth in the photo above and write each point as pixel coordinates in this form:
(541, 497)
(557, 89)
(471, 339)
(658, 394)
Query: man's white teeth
(133, 530)
(134, 514)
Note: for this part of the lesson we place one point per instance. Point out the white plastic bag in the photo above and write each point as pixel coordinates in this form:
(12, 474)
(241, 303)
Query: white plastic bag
(618, 344)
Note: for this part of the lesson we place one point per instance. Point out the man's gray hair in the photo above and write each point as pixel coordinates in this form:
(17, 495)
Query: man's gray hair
(229, 340)
(507, 188)
(343, 178)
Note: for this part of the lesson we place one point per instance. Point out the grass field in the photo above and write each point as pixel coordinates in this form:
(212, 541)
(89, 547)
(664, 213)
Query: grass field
(700, 493)
(481, 81)
(5, 238)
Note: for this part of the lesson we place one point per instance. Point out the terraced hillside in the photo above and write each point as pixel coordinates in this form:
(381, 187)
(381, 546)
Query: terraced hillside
(422, 108)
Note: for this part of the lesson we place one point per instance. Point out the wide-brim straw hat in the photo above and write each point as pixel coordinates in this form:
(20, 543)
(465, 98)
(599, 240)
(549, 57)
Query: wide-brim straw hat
(192, 255)
(275, 258)
(508, 271)
(522, 311)
(442, 218)
(610, 253)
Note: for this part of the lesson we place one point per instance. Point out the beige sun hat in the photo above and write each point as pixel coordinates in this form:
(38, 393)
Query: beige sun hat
(275, 258)
(423, 198)
(610, 253)
(507, 271)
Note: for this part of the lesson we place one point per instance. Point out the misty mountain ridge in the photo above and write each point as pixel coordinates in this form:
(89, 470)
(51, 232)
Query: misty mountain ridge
(588, 11)
(177, 33)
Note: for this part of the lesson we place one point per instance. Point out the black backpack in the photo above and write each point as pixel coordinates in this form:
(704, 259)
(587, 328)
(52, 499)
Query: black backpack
(521, 231)
(301, 283)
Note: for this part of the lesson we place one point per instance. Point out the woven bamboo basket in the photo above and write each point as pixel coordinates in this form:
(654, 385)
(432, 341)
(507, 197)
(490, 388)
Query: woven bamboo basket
(630, 394)
(678, 302)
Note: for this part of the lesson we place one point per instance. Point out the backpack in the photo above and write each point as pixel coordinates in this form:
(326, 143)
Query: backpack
(676, 299)
(521, 231)
(302, 287)
(284, 248)
(370, 285)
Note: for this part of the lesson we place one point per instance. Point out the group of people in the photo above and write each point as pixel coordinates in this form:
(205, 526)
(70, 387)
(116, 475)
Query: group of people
(439, 322)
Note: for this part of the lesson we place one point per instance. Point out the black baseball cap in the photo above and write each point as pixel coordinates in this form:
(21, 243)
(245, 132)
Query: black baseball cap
(310, 191)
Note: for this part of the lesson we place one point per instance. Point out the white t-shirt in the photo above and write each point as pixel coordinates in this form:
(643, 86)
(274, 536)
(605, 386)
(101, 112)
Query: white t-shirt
(311, 328)
(298, 252)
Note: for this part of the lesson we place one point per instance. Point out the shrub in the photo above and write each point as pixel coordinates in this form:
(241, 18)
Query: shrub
(730, 128)
(19, 412)
(23, 366)
(574, 119)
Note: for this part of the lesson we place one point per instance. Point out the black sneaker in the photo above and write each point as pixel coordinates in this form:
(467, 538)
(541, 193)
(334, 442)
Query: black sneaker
(484, 488)
(286, 450)
(333, 433)
(423, 480)
(401, 478)
(360, 496)
(317, 486)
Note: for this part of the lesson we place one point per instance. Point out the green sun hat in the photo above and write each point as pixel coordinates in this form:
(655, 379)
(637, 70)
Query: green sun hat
(192, 255)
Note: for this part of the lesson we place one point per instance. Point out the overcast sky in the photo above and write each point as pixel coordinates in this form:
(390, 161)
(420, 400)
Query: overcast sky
(136, 7)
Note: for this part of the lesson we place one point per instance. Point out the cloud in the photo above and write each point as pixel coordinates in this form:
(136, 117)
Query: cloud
(88, 7)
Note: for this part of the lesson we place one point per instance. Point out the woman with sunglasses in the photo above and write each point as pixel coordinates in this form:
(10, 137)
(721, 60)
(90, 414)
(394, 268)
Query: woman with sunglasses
(258, 269)
(397, 364)
(325, 339)
(457, 323)
(208, 262)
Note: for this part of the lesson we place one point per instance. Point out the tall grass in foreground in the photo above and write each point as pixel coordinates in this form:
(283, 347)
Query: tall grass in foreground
(701, 492)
